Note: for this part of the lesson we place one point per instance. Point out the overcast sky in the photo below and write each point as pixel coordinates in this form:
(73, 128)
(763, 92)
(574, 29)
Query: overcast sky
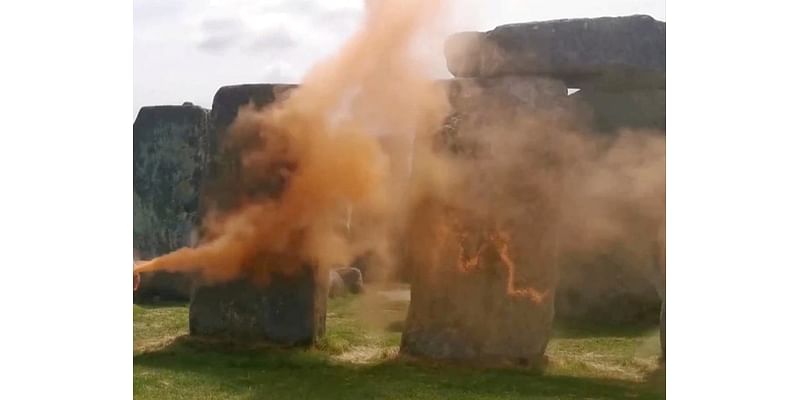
(184, 50)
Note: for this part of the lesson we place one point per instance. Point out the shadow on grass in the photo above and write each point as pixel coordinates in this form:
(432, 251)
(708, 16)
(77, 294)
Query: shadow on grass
(161, 304)
(259, 372)
(578, 330)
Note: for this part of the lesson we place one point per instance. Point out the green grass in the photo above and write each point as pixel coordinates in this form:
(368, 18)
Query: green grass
(358, 360)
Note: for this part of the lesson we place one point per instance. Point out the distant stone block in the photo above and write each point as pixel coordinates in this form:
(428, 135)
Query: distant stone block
(351, 279)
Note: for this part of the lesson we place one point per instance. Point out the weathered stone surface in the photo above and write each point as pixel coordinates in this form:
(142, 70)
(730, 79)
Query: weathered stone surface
(345, 280)
(224, 181)
(617, 285)
(625, 50)
(261, 305)
(229, 99)
(484, 109)
(471, 316)
(170, 155)
(288, 310)
(363, 263)
(352, 280)
(336, 286)
(612, 110)
(621, 281)
(512, 94)
(604, 288)
(483, 311)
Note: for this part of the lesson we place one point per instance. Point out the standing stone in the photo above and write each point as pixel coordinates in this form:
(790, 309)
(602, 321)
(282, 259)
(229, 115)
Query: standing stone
(466, 303)
(617, 284)
(170, 155)
(277, 308)
(621, 50)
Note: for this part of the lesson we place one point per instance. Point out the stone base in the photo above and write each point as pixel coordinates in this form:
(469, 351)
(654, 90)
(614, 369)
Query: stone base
(289, 311)
(471, 318)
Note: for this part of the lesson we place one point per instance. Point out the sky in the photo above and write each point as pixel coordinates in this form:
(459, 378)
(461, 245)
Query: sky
(184, 50)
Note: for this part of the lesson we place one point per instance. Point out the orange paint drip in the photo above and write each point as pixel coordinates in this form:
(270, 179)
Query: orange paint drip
(499, 240)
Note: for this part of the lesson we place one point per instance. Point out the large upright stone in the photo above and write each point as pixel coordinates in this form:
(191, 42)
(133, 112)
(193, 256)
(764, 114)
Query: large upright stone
(620, 283)
(623, 50)
(280, 308)
(170, 156)
(467, 302)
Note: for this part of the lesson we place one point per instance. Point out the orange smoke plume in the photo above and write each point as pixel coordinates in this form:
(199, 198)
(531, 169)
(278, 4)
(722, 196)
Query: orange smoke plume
(331, 132)
(344, 139)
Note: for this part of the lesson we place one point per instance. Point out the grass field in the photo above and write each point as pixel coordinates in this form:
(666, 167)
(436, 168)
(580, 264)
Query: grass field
(357, 360)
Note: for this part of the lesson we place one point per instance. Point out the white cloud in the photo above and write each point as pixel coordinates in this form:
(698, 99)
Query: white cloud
(273, 40)
(221, 34)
